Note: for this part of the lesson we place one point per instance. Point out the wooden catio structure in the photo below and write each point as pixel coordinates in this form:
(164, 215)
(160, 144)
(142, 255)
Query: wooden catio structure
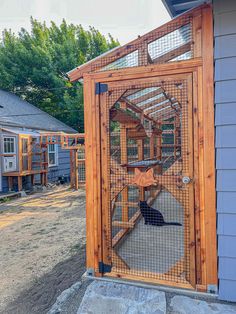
(31, 157)
(75, 144)
(149, 121)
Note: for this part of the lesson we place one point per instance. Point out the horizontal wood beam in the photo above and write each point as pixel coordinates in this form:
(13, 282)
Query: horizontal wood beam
(122, 116)
(130, 92)
(133, 107)
(173, 53)
(129, 204)
(152, 102)
(156, 108)
(146, 96)
(122, 224)
(135, 218)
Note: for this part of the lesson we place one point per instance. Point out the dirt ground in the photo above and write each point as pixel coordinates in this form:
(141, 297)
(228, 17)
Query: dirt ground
(42, 245)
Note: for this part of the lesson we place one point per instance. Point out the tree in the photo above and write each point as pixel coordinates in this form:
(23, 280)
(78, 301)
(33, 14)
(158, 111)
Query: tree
(33, 65)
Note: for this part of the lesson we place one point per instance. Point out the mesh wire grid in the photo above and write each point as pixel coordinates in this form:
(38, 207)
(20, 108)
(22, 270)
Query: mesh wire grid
(81, 164)
(140, 242)
(171, 43)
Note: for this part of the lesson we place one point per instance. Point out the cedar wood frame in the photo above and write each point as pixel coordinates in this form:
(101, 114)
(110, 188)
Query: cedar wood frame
(201, 69)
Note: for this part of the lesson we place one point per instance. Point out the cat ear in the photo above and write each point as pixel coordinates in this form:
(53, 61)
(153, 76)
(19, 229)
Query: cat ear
(150, 171)
(136, 171)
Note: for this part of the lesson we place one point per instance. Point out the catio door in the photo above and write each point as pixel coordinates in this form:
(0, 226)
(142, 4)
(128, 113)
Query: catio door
(147, 179)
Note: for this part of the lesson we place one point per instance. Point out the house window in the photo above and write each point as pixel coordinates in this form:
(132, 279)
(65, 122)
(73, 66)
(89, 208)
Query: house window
(52, 155)
(9, 145)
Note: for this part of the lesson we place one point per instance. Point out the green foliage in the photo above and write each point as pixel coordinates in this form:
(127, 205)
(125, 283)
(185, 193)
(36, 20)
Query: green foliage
(33, 66)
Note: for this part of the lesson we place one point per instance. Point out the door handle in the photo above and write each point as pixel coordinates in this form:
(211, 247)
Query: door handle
(186, 180)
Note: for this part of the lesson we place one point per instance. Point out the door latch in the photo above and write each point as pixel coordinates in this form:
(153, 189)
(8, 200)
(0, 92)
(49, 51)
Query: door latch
(186, 180)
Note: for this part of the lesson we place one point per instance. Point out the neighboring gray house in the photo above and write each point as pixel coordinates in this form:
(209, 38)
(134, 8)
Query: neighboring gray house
(224, 12)
(21, 121)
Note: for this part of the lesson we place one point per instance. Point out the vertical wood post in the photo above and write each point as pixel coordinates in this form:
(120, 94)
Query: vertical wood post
(141, 157)
(209, 146)
(124, 160)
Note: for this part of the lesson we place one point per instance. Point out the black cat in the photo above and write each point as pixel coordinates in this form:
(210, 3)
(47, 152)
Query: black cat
(153, 216)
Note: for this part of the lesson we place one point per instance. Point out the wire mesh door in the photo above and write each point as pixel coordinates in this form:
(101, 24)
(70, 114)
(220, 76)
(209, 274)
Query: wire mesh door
(147, 185)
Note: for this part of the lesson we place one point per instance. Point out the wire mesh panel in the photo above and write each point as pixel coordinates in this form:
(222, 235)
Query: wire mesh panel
(81, 164)
(149, 199)
(171, 43)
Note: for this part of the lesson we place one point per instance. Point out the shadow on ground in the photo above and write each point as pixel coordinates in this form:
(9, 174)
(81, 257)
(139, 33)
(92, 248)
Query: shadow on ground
(39, 298)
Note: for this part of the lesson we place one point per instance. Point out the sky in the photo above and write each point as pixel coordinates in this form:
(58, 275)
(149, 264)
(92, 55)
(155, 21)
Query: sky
(123, 19)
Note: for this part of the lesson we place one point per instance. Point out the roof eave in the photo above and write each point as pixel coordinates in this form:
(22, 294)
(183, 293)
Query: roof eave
(170, 9)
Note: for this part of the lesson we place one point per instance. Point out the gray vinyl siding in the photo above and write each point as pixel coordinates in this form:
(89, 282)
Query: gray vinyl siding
(225, 123)
(63, 167)
(4, 184)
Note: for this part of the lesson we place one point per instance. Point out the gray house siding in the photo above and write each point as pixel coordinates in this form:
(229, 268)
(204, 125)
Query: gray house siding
(63, 167)
(4, 184)
(225, 123)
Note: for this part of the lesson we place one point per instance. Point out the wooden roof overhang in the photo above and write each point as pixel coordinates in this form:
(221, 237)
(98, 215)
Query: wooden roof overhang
(142, 45)
(177, 40)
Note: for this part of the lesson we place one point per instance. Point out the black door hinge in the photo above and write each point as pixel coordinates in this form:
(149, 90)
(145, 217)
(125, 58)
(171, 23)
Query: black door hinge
(100, 88)
(104, 268)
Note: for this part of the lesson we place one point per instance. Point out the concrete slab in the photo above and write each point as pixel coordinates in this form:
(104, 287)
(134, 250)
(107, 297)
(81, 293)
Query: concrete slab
(108, 297)
(186, 305)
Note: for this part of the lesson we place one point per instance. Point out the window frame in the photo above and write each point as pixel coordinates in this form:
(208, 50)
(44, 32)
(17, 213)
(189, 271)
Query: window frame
(14, 144)
(56, 155)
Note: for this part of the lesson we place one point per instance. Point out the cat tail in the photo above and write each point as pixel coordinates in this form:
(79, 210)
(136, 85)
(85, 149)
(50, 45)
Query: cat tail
(172, 224)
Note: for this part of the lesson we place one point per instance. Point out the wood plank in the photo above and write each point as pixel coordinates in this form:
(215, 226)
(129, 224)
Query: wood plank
(141, 157)
(143, 55)
(152, 146)
(107, 163)
(136, 109)
(129, 204)
(209, 148)
(191, 248)
(124, 160)
(201, 176)
(19, 181)
(151, 103)
(101, 211)
(197, 35)
(90, 176)
(173, 53)
(20, 160)
(153, 196)
(157, 279)
(122, 224)
(10, 183)
(146, 96)
(173, 68)
(117, 238)
(164, 114)
(123, 116)
(196, 126)
(131, 92)
(23, 173)
(155, 109)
